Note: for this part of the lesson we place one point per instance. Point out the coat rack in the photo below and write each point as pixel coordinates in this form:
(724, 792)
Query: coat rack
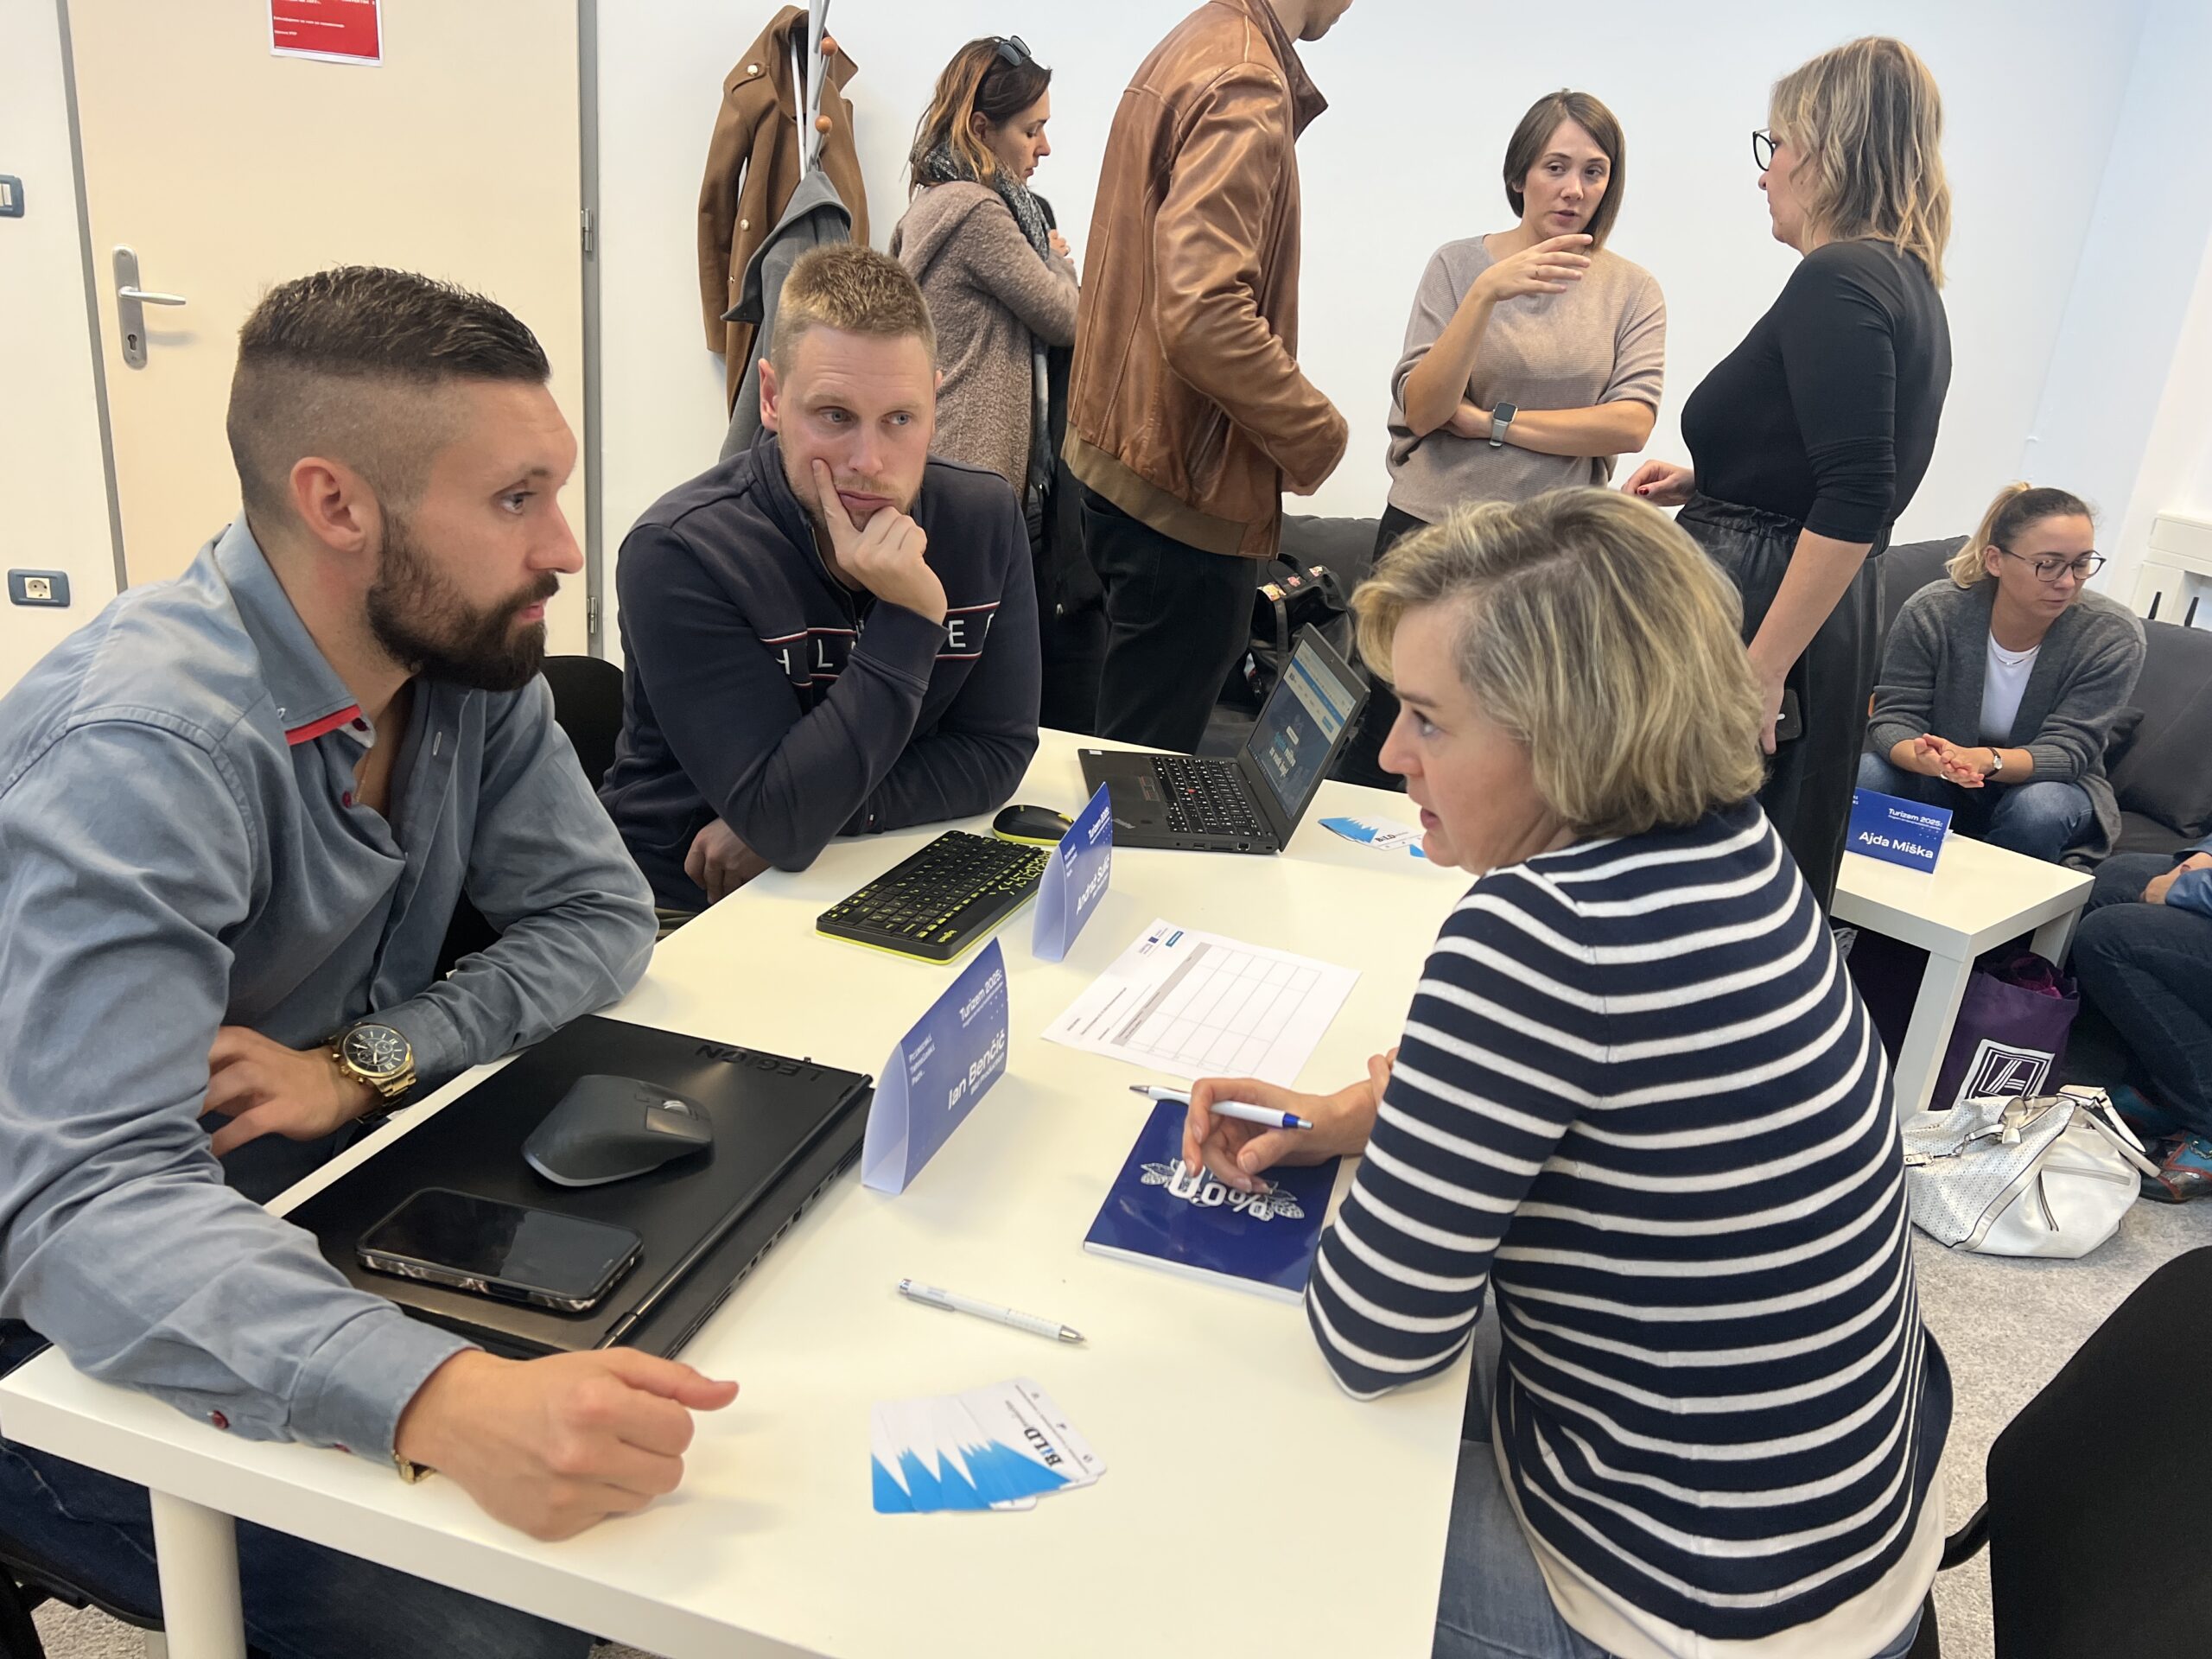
(808, 76)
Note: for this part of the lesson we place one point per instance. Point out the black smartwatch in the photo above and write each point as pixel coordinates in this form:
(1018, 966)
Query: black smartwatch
(1500, 418)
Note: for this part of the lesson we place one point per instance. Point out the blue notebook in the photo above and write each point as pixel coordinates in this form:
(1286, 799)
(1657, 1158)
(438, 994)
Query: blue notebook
(1162, 1215)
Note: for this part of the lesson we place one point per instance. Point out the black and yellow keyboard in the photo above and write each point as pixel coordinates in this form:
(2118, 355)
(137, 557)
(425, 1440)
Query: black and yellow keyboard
(943, 899)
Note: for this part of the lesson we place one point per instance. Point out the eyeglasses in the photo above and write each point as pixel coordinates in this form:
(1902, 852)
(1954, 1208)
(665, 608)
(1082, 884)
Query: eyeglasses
(1764, 144)
(2084, 567)
(1014, 50)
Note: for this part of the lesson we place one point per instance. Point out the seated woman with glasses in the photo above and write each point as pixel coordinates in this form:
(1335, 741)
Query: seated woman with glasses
(2001, 682)
(1639, 1109)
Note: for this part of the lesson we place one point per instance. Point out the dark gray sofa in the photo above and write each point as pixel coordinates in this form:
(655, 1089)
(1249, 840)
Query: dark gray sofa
(2161, 767)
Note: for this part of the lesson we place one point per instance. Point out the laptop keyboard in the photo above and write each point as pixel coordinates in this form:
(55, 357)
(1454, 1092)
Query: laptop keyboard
(1206, 797)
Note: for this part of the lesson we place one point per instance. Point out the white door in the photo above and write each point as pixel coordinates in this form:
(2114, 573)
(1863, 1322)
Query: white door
(225, 169)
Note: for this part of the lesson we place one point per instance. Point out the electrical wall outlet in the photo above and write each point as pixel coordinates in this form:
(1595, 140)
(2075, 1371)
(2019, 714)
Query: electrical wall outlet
(38, 587)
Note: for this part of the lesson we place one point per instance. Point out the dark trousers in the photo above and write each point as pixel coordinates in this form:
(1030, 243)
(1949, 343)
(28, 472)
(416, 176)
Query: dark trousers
(1072, 642)
(1176, 618)
(1806, 795)
(2148, 970)
(302, 1601)
(1362, 761)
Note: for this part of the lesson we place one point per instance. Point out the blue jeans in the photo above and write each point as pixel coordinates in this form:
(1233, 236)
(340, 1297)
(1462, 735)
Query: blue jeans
(2037, 819)
(2148, 967)
(301, 1601)
(1494, 1604)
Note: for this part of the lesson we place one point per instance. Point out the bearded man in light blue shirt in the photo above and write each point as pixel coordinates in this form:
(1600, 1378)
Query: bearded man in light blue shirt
(237, 812)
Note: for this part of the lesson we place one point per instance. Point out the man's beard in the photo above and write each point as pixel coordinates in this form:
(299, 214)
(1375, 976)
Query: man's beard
(429, 630)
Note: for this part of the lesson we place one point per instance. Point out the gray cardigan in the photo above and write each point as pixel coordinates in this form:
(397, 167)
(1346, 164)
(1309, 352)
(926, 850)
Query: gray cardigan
(1937, 655)
(988, 293)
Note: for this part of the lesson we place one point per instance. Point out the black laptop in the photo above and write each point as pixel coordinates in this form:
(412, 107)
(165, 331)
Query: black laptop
(1252, 803)
(784, 1130)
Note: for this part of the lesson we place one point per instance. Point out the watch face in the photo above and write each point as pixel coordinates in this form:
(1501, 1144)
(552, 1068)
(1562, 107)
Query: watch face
(376, 1050)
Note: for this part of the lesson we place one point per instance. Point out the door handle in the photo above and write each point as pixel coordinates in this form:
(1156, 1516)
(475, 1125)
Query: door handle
(129, 303)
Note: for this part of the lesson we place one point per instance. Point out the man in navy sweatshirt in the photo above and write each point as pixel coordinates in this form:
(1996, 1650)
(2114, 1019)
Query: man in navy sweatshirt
(831, 632)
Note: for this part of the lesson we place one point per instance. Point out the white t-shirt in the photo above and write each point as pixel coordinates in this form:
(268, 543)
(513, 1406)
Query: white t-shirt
(2002, 682)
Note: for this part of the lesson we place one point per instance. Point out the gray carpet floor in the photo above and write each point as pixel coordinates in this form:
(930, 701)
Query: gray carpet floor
(2006, 1326)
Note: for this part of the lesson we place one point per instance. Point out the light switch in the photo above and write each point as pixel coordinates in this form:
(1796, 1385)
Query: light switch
(11, 197)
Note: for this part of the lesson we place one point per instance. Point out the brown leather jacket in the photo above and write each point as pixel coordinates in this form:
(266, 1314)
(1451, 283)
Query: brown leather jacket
(1185, 406)
(752, 167)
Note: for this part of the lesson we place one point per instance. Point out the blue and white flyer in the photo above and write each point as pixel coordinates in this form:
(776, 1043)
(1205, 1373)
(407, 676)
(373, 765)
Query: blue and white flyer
(1002, 1447)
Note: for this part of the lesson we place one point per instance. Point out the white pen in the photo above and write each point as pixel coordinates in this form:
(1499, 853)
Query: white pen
(953, 1302)
(1235, 1109)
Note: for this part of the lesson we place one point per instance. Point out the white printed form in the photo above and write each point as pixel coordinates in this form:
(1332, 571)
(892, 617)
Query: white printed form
(1197, 1005)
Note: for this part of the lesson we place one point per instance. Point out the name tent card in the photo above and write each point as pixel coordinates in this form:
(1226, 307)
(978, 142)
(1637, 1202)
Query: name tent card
(1896, 831)
(1076, 879)
(934, 1077)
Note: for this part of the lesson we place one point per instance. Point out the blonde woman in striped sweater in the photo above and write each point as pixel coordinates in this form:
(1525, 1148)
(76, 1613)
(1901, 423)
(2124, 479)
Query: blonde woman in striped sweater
(1639, 1109)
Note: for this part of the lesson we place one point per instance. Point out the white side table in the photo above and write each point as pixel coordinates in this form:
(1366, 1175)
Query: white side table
(2178, 562)
(1976, 896)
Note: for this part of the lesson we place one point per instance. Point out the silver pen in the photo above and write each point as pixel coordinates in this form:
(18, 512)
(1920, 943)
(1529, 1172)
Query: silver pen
(953, 1302)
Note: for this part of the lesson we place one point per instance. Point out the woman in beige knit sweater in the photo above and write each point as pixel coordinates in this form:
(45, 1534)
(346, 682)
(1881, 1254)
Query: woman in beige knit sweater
(1001, 290)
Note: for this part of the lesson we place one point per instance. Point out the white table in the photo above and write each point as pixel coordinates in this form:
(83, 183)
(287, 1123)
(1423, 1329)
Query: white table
(1230, 1451)
(1977, 896)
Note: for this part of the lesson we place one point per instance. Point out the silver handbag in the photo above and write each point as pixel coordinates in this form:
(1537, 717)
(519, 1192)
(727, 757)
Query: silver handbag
(2047, 1175)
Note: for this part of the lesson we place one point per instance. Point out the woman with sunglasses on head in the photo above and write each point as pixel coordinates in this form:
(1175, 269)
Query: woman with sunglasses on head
(1534, 355)
(1808, 440)
(1002, 290)
(2001, 683)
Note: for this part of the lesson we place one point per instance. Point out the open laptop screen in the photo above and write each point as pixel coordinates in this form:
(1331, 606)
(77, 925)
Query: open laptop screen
(1298, 729)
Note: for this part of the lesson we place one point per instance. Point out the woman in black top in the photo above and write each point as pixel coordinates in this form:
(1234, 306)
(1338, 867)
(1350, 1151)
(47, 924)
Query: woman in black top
(1808, 440)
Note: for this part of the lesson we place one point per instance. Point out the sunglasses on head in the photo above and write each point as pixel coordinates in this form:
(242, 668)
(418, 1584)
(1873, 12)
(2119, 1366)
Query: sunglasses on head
(1013, 50)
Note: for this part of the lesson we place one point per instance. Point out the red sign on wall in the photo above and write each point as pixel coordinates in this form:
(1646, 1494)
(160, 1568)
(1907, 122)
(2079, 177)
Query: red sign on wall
(336, 31)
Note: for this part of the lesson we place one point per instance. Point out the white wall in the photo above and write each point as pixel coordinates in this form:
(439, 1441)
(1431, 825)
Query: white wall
(1423, 95)
(2125, 416)
(53, 487)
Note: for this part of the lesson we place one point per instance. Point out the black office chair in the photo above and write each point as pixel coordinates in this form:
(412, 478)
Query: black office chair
(2098, 1515)
(587, 704)
(27, 1581)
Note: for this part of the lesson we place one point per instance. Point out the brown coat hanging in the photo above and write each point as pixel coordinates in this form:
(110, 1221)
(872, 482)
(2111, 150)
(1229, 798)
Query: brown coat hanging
(752, 166)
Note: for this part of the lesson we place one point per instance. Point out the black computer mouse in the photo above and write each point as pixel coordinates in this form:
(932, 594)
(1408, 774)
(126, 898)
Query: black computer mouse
(1035, 826)
(608, 1128)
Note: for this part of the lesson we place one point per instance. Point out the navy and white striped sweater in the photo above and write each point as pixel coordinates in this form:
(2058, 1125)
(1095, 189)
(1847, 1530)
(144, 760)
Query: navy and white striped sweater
(1638, 1093)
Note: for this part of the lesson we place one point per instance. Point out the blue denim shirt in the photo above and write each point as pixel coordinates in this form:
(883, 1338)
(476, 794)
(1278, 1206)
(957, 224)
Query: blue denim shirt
(180, 850)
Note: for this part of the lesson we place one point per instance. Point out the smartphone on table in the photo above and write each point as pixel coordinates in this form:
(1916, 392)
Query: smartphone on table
(509, 1252)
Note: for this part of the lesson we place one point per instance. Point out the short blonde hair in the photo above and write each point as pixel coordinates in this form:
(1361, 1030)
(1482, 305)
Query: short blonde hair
(1869, 121)
(854, 290)
(1601, 639)
(2019, 505)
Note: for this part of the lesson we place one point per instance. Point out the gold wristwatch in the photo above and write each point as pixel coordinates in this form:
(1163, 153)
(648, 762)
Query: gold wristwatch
(376, 1055)
(412, 1473)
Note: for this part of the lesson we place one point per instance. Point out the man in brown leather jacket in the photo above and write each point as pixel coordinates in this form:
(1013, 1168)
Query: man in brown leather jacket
(1187, 414)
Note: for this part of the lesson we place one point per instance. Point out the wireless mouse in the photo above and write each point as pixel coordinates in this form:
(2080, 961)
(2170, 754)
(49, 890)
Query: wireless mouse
(608, 1128)
(1034, 826)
